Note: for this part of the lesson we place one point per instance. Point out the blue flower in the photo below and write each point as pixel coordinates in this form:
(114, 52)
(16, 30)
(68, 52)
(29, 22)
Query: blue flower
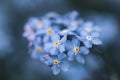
(58, 63)
(38, 50)
(90, 35)
(71, 22)
(57, 44)
(75, 51)
(49, 32)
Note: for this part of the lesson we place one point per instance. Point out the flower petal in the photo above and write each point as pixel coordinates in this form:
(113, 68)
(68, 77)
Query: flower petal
(97, 41)
(95, 34)
(84, 50)
(80, 59)
(68, 45)
(75, 42)
(62, 48)
(61, 56)
(63, 40)
(46, 38)
(55, 37)
(87, 44)
(64, 66)
(71, 55)
(55, 70)
(53, 51)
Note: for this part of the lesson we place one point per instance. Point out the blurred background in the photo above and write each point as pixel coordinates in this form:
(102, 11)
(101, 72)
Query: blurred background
(15, 62)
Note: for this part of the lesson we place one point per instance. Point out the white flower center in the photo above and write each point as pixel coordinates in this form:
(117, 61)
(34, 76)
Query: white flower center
(89, 38)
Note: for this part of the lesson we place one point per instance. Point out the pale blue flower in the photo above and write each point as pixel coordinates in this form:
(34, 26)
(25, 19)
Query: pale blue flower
(75, 51)
(90, 35)
(57, 63)
(56, 45)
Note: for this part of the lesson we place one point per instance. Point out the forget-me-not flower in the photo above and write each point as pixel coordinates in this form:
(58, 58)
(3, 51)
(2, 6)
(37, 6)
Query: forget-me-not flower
(58, 63)
(75, 51)
(90, 35)
(56, 45)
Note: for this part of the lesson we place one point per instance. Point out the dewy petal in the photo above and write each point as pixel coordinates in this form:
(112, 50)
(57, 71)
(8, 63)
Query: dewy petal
(75, 42)
(61, 56)
(84, 50)
(55, 37)
(97, 41)
(64, 66)
(80, 59)
(55, 69)
(71, 55)
(62, 48)
(87, 44)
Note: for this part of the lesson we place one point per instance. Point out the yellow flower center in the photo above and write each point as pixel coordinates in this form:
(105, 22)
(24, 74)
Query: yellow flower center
(74, 24)
(49, 31)
(56, 62)
(56, 43)
(76, 50)
(39, 24)
(39, 49)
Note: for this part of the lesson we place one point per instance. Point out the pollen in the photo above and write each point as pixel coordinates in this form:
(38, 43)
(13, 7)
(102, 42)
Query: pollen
(49, 31)
(56, 43)
(56, 62)
(39, 49)
(39, 24)
(89, 38)
(76, 50)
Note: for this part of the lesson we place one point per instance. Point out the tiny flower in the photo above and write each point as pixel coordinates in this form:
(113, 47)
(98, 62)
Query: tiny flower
(38, 51)
(75, 51)
(29, 33)
(49, 31)
(90, 35)
(58, 63)
(57, 44)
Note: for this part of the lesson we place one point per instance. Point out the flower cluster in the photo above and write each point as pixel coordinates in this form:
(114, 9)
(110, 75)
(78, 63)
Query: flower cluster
(57, 40)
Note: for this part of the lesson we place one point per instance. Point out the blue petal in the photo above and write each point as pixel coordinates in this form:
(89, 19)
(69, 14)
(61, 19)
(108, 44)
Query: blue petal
(95, 34)
(75, 42)
(55, 70)
(61, 56)
(63, 40)
(97, 41)
(84, 50)
(48, 46)
(87, 44)
(68, 45)
(55, 37)
(64, 66)
(49, 61)
(54, 51)
(80, 59)
(71, 55)
(83, 33)
(62, 48)
(46, 38)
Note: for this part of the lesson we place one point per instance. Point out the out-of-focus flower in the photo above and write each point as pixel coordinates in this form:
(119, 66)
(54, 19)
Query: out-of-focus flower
(90, 35)
(76, 51)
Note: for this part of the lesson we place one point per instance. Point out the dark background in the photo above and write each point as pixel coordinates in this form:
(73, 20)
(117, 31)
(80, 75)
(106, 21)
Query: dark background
(16, 63)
